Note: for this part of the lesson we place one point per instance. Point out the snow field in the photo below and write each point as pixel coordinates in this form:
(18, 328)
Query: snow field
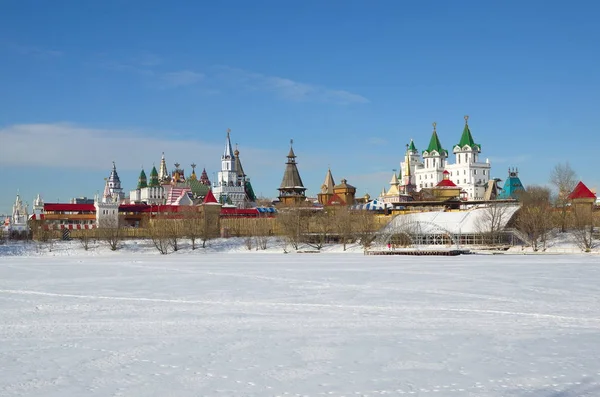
(216, 324)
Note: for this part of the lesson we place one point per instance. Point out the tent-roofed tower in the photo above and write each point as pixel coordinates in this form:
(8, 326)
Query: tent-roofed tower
(467, 146)
(512, 185)
(291, 190)
(430, 172)
(142, 180)
(163, 173)
(114, 184)
(154, 181)
(326, 192)
(232, 186)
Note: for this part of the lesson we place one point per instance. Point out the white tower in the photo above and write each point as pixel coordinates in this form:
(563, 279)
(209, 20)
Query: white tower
(434, 163)
(467, 172)
(114, 185)
(230, 186)
(107, 213)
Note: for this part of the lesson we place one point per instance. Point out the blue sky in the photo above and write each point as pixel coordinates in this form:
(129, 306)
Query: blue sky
(85, 83)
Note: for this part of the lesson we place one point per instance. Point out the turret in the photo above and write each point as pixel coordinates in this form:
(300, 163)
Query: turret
(154, 180)
(292, 189)
(326, 192)
(142, 181)
(466, 150)
(163, 174)
(435, 156)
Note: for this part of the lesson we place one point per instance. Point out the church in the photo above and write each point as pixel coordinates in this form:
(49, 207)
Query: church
(430, 168)
(233, 186)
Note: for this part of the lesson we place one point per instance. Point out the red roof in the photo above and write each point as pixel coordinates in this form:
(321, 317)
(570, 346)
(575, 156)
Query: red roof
(210, 198)
(336, 200)
(446, 183)
(232, 211)
(69, 207)
(446, 172)
(581, 191)
(134, 208)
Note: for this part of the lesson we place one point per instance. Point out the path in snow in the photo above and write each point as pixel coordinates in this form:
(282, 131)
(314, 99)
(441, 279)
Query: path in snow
(300, 325)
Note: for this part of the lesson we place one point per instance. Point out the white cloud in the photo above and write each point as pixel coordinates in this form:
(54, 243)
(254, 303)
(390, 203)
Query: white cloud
(287, 88)
(66, 145)
(34, 51)
(181, 78)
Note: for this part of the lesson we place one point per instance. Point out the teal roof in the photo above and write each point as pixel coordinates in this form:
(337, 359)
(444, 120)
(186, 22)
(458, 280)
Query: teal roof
(466, 139)
(435, 145)
(512, 186)
(250, 192)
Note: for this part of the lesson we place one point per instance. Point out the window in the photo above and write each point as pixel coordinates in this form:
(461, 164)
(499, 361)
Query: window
(474, 172)
(464, 172)
(465, 181)
(483, 172)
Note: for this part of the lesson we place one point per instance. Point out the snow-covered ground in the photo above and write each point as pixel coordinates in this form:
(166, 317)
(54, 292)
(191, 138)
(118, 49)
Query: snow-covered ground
(135, 323)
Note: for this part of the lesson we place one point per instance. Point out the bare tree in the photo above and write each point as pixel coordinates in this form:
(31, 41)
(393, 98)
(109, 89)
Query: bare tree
(293, 223)
(583, 221)
(491, 221)
(111, 232)
(320, 227)
(365, 225)
(174, 226)
(342, 221)
(192, 223)
(261, 231)
(86, 237)
(535, 215)
(158, 229)
(564, 179)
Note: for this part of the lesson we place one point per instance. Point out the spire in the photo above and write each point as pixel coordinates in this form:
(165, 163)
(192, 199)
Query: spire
(193, 174)
(228, 153)
(291, 184)
(238, 164)
(142, 181)
(291, 155)
(394, 180)
(408, 152)
(154, 178)
(411, 146)
(328, 185)
(466, 139)
(163, 174)
(204, 178)
(106, 193)
(113, 179)
(434, 143)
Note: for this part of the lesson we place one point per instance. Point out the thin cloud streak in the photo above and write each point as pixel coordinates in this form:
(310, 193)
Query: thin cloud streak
(68, 144)
(286, 88)
(181, 78)
(34, 51)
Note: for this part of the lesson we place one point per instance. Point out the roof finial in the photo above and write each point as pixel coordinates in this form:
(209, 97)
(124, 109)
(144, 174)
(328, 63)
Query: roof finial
(467, 119)
(228, 131)
(434, 126)
(193, 166)
(291, 142)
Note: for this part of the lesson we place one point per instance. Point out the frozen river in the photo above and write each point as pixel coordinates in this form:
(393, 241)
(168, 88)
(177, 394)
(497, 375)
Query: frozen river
(300, 325)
